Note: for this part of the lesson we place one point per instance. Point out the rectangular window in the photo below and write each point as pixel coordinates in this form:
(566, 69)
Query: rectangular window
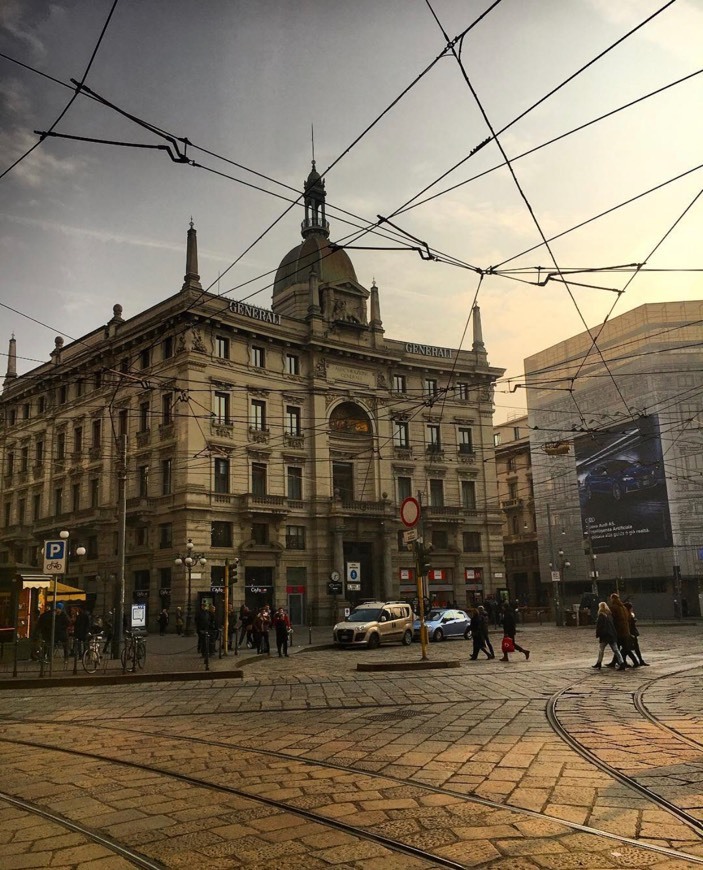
(260, 533)
(94, 492)
(167, 347)
(468, 494)
(258, 478)
(221, 347)
(39, 451)
(61, 445)
(143, 476)
(343, 480)
(516, 433)
(122, 422)
(164, 580)
(98, 380)
(63, 395)
(221, 475)
(165, 536)
(144, 358)
(12, 416)
(10, 464)
(143, 416)
(295, 537)
(76, 497)
(258, 415)
(24, 459)
(258, 357)
(21, 511)
(80, 387)
(512, 490)
(430, 386)
(434, 443)
(36, 506)
(462, 392)
(399, 384)
(96, 434)
(222, 409)
(58, 501)
(471, 542)
(166, 480)
(440, 539)
(405, 488)
(8, 513)
(292, 364)
(295, 482)
(140, 536)
(166, 408)
(436, 492)
(401, 436)
(466, 442)
(78, 440)
(41, 404)
(293, 426)
(25, 409)
(221, 534)
(91, 549)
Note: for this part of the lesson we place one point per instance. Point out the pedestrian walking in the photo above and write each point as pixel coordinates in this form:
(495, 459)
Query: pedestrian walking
(621, 619)
(281, 624)
(634, 634)
(213, 628)
(81, 630)
(607, 636)
(245, 625)
(163, 622)
(477, 637)
(509, 632)
(179, 621)
(262, 625)
(484, 630)
(202, 625)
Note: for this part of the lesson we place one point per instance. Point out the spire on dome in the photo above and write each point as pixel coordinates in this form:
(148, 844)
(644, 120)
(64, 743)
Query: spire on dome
(314, 194)
(11, 373)
(191, 280)
(478, 344)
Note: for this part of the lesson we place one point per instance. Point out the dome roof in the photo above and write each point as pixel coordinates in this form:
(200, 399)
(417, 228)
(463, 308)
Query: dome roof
(333, 265)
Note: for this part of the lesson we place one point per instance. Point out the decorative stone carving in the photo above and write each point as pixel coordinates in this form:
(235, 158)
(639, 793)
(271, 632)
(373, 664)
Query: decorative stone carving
(321, 368)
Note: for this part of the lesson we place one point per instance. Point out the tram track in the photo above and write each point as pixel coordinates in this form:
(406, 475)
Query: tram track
(250, 754)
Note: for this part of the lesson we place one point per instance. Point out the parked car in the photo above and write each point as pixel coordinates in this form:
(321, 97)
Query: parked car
(617, 477)
(375, 622)
(444, 623)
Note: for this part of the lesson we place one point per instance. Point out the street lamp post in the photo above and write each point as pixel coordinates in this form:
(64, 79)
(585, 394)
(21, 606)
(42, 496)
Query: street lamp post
(189, 559)
(558, 581)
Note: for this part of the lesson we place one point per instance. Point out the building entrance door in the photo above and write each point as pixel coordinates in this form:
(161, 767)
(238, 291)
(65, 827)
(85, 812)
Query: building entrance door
(258, 587)
(296, 608)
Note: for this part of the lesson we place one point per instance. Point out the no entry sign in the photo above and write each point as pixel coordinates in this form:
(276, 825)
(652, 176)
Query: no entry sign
(410, 511)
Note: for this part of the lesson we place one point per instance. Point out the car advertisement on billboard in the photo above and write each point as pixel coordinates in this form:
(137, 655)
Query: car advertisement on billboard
(622, 489)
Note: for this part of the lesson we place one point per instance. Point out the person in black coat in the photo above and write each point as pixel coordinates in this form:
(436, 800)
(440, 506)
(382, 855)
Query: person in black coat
(634, 652)
(477, 630)
(607, 636)
(510, 629)
(81, 630)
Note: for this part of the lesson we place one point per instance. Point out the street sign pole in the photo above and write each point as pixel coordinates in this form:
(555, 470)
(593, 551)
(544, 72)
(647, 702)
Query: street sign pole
(54, 563)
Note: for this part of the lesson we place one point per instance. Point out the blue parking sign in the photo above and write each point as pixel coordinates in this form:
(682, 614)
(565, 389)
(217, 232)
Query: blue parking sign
(55, 557)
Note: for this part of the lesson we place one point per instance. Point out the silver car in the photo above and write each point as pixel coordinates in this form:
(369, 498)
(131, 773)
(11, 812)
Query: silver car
(444, 622)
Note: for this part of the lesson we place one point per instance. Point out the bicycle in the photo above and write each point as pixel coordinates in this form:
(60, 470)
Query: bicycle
(134, 652)
(93, 655)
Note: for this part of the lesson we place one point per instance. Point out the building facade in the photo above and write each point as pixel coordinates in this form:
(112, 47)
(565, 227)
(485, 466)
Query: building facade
(617, 455)
(285, 437)
(517, 502)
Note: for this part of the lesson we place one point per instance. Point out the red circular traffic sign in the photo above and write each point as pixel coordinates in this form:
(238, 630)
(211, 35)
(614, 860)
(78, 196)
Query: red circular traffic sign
(410, 511)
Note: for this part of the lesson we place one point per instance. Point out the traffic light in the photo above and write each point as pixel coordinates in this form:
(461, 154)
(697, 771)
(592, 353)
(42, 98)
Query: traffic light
(234, 571)
(423, 559)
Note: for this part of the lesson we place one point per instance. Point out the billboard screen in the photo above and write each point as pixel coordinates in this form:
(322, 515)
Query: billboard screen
(622, 489)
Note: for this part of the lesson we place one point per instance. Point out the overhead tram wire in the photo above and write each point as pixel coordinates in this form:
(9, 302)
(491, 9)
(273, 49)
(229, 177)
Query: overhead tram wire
(551, 141)
(73, 98)
(533, 106)
(521, 192)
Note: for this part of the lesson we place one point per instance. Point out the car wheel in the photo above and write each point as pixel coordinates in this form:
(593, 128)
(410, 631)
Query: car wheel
(407, 637)
(617, 491)
(467, 633)
(374, 641)
(437, 635)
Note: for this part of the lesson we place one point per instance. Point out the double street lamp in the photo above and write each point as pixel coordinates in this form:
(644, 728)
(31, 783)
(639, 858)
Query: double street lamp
(189, 559)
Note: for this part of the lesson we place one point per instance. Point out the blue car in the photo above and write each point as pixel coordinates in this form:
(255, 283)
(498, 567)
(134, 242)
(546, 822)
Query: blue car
(618, 477)
(444, 622)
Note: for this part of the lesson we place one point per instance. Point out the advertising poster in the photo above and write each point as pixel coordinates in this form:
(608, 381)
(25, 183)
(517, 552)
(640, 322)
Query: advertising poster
(622, 489)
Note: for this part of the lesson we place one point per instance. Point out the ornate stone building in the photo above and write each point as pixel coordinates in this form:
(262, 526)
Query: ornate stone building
(284, 437)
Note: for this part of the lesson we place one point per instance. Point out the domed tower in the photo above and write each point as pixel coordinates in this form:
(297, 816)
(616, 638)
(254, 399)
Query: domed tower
(316, 280)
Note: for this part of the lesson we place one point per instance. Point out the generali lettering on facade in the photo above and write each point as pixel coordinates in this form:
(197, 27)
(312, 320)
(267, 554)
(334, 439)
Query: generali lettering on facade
(252, 311)
(428, 350)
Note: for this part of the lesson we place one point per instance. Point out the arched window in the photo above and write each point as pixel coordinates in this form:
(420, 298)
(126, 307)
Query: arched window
(350, 419)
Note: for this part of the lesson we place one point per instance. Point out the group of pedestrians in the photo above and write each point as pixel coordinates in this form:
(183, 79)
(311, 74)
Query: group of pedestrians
(255, 627)
(616, 627)
(480, 619)
(71, 629)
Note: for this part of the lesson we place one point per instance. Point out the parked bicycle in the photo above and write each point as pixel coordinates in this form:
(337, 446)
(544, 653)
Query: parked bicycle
(93, 655)
(134, 652)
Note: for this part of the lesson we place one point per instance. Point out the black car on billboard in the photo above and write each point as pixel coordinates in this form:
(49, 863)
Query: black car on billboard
(618, 477)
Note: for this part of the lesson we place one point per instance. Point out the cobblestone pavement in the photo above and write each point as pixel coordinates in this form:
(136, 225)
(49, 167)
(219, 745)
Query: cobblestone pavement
(305, 762)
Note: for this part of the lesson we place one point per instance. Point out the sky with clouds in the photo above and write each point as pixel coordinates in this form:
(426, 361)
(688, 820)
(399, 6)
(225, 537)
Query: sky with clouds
(84, 226)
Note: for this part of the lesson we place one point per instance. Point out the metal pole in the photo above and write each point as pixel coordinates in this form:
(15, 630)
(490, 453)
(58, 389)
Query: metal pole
(189, 631)
(420, 585)
(225, 621)
(118, 621)
(53, 629)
